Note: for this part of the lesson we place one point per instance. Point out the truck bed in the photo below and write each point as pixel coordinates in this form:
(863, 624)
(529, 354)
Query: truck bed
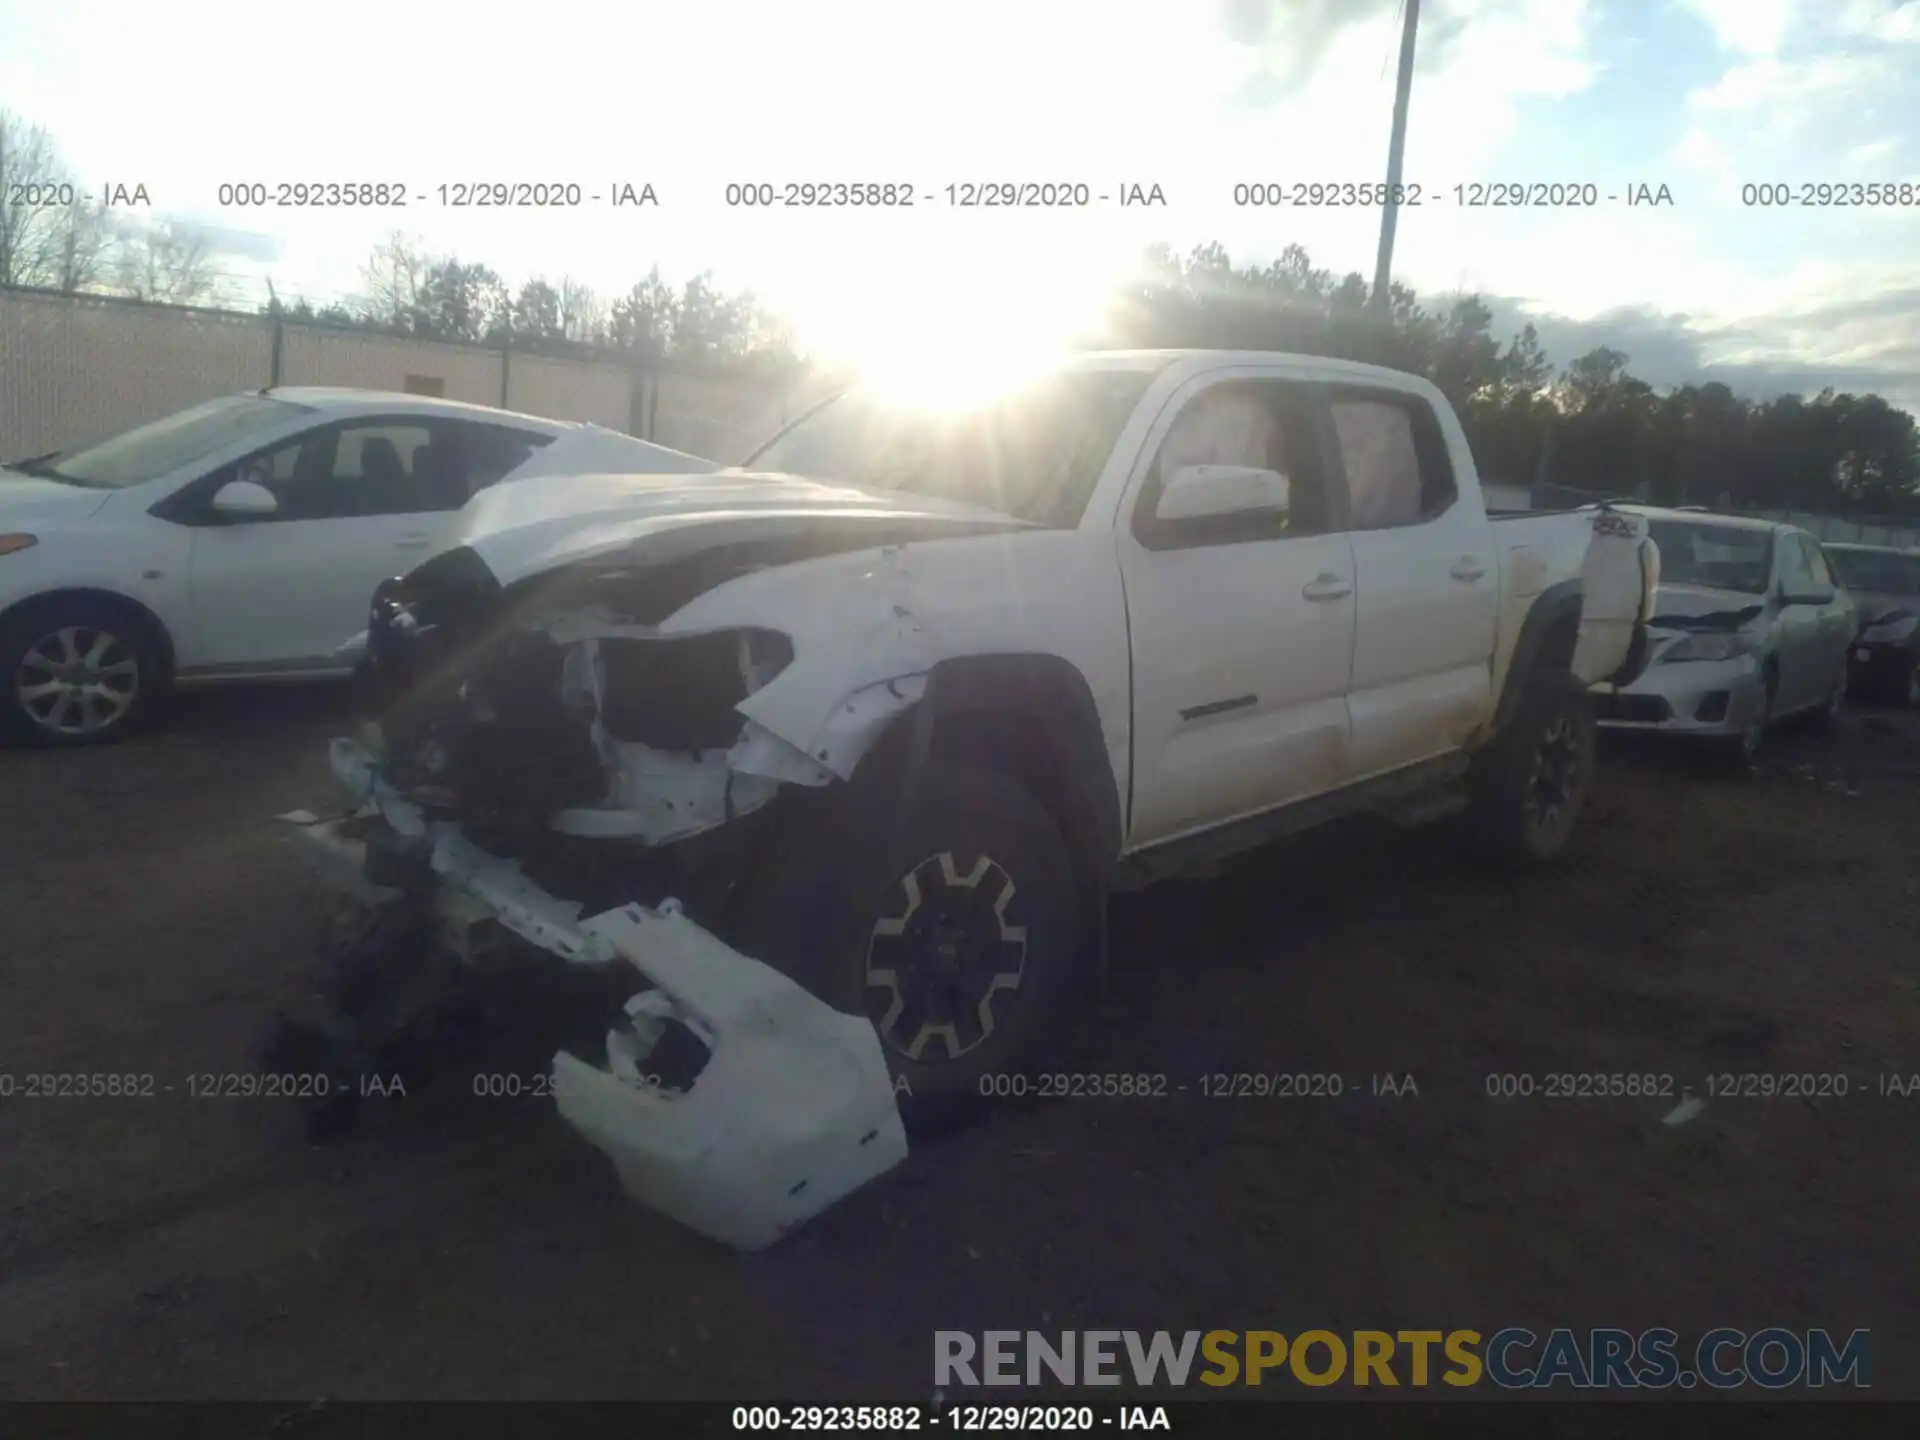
(1610, 556)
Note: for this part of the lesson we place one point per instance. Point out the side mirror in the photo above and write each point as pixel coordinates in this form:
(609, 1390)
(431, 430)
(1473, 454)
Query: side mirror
(245, 500)
(1810, 597)
(1201, 492)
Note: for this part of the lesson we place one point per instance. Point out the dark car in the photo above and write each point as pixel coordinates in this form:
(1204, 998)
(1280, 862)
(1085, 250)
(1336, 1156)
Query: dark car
(1884, 661)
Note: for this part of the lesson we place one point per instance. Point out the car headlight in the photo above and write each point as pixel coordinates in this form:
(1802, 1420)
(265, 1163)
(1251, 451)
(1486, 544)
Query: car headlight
(1891, 629)
(1710, 645)
(11, 543)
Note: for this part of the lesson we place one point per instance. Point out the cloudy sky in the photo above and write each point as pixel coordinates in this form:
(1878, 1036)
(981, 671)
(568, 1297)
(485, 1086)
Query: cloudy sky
(1702, 96)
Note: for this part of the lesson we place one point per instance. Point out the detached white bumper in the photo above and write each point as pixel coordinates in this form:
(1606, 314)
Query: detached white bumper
(794, 1108)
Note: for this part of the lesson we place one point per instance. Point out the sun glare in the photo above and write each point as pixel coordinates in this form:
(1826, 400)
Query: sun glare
(956, 328)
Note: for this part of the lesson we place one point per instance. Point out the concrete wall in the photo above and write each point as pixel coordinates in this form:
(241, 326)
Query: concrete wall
(74, 370)
(722, 418)
(79, 368)
(317, 355)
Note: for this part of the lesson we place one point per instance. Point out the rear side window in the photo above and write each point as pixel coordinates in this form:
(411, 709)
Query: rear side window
(1394, 458)
(495, 451)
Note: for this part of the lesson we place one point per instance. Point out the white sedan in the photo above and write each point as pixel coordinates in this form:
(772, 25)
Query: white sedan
(242, 539)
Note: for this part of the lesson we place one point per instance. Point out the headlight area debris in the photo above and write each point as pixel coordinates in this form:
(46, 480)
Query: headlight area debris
(727, 1097)
(560, 791)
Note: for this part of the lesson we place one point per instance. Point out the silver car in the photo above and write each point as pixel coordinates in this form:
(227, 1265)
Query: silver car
(1749, 627)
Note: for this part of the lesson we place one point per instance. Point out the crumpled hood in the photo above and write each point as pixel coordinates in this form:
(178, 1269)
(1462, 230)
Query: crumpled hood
(1688, 605)
(26, 500)
(545, 522)
(595, 450)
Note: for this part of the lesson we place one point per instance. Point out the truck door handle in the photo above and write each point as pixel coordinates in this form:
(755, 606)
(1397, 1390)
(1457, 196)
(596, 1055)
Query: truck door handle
(1468, 569)
(411, 542)
(1327, 587)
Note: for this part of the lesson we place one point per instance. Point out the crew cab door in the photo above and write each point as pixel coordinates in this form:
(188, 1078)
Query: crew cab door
(1427, 577)
(1242, 625)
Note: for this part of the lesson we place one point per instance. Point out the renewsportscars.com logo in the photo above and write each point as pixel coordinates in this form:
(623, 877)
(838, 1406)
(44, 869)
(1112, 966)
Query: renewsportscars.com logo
(1774, 1358)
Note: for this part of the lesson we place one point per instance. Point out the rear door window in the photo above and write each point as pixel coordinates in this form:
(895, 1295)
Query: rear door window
(1395, 458)
(366, 467)
(493, 452)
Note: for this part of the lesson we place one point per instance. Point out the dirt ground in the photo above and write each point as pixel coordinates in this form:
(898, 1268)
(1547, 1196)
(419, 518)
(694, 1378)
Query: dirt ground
(178, 1247)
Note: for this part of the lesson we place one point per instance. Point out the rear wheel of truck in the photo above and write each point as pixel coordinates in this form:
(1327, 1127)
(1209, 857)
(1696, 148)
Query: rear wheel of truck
(1530, 783)
(953, 925)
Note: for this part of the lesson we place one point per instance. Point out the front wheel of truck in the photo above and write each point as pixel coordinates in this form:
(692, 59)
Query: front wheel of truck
(951, 922)
(1531, 781)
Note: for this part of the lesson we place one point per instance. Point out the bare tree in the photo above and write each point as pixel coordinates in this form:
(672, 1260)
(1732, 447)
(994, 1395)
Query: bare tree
(30, 170)
(583, 314)
(82, 244)
(395, 276)
(168, 262)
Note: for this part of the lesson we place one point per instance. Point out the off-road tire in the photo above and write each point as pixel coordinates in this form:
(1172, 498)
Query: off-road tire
(1510, 813)
(839, 866)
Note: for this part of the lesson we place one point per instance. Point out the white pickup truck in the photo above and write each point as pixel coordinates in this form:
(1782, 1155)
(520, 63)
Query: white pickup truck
(894, 731)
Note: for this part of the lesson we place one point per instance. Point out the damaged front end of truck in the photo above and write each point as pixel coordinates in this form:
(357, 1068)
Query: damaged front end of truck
(570, 773)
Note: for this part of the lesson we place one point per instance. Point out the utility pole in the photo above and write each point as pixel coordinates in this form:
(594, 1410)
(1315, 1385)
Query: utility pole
(1396, 153)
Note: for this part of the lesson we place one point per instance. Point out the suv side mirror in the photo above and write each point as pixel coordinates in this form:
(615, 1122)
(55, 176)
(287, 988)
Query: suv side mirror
(245, 500)
(1202, 492)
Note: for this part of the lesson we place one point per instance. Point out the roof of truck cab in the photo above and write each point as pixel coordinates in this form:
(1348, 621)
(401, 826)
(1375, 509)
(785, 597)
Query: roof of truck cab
(1205, 359)
(344, 397)
(1862, 546)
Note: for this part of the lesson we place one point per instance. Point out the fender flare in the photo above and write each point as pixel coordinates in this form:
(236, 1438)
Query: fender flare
(1035, 713)
(1054, 704)
(1554, 614)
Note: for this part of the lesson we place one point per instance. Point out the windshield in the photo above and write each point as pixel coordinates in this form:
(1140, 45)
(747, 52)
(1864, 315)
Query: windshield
(1878, 572)
(1720, 557)
(1034, 454)
(165, 445)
